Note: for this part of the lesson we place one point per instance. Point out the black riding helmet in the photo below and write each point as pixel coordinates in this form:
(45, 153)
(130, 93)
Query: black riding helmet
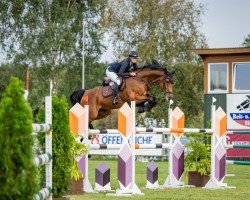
(133, 54)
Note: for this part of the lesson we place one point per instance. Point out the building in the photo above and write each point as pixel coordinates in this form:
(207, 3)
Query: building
(227, 79)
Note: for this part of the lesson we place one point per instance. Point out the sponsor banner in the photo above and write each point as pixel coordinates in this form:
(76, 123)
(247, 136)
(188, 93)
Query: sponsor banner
(238, 111)
(117, 139)
(238, 140)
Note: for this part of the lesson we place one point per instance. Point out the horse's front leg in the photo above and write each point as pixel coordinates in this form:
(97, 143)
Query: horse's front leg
(144, 101)
(148, 105)
(151, 103)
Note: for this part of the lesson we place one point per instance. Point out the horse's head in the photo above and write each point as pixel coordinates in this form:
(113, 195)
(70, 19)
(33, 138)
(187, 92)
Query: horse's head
(155, 73)
(166, 83)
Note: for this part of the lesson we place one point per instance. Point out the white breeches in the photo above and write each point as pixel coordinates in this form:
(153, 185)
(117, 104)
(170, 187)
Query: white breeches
(113, 77)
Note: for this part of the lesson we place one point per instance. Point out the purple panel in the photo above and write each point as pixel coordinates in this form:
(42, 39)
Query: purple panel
(125, 166)
(152, 172)
(125, 153)
(177, 150)
(220, 151)
(220, 162)
(82, 165)
(178, 165)
(102, 167)
(106, 177)
(102, 174)
(220, 167)
(152, 166)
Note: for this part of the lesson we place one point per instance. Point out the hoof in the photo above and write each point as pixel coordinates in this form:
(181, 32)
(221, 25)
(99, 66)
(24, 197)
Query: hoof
(141, 110)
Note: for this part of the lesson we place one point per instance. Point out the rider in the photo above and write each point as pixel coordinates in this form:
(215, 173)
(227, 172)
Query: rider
(121, 69)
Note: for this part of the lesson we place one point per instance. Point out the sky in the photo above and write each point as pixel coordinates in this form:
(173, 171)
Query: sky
(225, 23)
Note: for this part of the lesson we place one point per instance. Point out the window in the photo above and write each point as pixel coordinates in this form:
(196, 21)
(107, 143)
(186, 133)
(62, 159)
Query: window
(241, 72)
(217, 81)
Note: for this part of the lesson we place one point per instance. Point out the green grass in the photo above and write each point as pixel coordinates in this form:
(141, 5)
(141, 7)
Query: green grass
(241, 180)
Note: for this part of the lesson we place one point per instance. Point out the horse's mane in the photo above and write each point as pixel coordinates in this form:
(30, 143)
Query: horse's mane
(155, 65)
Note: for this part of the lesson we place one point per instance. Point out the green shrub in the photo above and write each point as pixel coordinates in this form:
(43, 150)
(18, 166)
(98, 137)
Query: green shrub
(78, 149)
(18, 174)
(62, 141)
(198, 158)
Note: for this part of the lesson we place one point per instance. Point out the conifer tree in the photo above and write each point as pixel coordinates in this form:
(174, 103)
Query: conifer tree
(18, 174)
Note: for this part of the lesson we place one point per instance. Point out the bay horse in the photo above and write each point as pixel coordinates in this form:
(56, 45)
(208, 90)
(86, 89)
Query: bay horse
(100, 106)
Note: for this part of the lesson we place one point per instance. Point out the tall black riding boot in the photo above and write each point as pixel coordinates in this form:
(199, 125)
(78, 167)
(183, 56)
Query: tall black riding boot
(115, 93)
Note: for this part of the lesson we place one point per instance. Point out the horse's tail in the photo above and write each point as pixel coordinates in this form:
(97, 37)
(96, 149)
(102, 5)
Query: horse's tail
(76, 96)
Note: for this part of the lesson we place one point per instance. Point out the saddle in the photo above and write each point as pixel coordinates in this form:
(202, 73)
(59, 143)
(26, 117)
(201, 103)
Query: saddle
(108, 87)
(106, 81)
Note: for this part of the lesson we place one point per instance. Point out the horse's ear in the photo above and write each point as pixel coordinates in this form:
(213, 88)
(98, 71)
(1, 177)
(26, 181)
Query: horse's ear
(173, 72)
(154, 62)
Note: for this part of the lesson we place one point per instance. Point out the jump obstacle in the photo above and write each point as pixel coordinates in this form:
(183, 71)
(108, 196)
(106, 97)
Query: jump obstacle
(218, 150)
(46, 158)
(126, 157)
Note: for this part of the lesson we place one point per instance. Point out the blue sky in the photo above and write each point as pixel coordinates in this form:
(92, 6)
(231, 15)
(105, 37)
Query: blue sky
(226, 22)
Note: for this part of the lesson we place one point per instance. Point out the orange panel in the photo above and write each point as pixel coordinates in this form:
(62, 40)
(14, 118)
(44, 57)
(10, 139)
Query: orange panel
(178, 119)
(220, 122)
(73, 123)
(125, 125)
(176, 130)
(77, 116)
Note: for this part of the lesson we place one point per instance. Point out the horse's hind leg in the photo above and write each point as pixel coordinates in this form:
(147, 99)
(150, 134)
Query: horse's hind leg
(93, 113)
(90, 136)
(91, 126)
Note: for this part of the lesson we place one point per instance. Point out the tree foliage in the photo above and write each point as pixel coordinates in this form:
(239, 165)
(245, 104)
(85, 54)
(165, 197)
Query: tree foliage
(18, 174)
(47, 37)
(163, 30)
(7, 71)
(246, 42)
(41, 32)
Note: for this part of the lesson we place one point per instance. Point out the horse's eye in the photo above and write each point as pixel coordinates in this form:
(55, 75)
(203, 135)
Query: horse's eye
(170, 81)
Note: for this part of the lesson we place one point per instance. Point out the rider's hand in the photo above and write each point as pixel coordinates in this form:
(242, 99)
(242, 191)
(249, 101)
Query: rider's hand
(133, 74)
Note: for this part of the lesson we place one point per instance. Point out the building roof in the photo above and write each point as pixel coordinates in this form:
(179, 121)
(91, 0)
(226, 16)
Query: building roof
(217, 51)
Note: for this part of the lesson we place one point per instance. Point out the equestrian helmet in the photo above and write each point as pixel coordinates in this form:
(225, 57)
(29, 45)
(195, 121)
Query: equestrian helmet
(133, 54)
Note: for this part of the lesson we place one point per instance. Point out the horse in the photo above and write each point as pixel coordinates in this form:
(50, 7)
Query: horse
(100, 107)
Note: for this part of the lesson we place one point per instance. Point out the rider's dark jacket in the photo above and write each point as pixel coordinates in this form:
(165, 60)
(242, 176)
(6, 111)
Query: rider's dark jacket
(122, 68)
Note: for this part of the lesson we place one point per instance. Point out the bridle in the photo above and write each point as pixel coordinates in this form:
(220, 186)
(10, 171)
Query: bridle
(165, 80)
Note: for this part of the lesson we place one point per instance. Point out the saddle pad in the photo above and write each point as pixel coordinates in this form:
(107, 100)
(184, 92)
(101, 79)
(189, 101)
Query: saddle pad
(107, 91)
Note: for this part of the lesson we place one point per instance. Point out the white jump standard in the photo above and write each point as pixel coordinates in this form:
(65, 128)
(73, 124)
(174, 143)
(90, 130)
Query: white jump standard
(46, 158)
